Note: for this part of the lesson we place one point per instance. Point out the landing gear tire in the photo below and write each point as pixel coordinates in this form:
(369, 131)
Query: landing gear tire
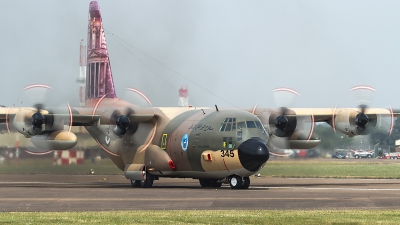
(209, 183)
(148, 182)
(215, 183)
(246, 183)
(135, 183)
(236, 182)
(205, 183)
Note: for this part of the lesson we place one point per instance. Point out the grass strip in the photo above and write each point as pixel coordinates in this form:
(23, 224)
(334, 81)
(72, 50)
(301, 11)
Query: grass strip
(46, 166)
(206, 217)
(371, 169)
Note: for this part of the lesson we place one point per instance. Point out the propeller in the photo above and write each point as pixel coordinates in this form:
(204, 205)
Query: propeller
(281, 122)
(364, 96)
(287, 128)
(37, 119)
(284, 123)
(41, 120)
(123, 123)
(361, 119)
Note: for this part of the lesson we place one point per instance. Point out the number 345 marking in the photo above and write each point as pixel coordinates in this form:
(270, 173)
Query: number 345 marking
(227, 153)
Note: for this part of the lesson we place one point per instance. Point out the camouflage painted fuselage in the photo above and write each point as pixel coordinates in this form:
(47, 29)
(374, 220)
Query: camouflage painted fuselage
(183, 142)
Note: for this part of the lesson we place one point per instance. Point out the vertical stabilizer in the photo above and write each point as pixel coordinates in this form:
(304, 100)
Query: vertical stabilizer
(99, 80)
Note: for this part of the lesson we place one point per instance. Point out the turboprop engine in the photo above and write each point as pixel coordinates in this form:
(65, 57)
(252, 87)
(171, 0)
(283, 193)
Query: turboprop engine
(288, 131)
(124, 121)
(46, 131)
(353, 122)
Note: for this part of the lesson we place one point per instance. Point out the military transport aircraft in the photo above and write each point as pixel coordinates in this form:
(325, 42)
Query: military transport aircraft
(210, 144)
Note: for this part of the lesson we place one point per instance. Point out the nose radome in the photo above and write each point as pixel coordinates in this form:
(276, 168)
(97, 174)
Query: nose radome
(253, 153)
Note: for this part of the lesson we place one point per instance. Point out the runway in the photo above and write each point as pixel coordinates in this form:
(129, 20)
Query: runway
(105, 193)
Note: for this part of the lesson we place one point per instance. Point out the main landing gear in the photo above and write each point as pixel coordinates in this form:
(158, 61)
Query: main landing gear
(210, 183)
(147, 183)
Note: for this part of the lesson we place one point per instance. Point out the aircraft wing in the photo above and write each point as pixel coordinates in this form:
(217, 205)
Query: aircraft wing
(75, 117)
(292, 128)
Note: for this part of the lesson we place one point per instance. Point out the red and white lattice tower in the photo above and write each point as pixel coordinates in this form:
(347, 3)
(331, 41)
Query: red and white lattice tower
(183, 96)
(81, 80)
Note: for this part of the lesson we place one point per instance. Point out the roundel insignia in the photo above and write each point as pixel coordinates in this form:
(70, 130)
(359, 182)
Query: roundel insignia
(185, 141)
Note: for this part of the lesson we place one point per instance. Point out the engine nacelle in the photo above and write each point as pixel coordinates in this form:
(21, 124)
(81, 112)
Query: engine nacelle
(22, 123)
(298, 140)
(348, 122)
(123, 121)
(57, 140)
(283, 124)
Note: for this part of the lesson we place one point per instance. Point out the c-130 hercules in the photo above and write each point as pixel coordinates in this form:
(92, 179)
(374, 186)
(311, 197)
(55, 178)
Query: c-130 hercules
(210, 144)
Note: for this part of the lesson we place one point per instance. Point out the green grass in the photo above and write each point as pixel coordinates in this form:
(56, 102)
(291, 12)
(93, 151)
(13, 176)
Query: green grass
(45, 166)
(206, 217)
(365, 168)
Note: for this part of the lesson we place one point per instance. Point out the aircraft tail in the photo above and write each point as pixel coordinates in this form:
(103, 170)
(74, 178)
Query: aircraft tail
(99, 79)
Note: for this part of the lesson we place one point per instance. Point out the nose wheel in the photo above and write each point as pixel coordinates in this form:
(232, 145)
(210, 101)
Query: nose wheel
(238, 182)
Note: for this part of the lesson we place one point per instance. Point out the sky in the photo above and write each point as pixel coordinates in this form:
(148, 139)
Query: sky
(229, 53)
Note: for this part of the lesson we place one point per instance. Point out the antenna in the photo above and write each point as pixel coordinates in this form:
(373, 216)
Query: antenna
(216, 107)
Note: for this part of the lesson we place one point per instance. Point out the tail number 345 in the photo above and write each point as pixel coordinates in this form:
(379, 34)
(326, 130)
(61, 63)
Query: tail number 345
(227, 153)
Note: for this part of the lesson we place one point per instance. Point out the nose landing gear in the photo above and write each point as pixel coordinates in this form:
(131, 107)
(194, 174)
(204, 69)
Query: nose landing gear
(238, 182)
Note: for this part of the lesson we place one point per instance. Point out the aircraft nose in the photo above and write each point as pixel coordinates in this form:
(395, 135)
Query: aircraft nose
(253, 153)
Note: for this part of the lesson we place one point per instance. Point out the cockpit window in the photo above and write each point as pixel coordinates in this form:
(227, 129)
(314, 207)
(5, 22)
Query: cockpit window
(228, 124)
(222, 128)
(228, 127)
(261, 127)
(251, 124)
(241, 125)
